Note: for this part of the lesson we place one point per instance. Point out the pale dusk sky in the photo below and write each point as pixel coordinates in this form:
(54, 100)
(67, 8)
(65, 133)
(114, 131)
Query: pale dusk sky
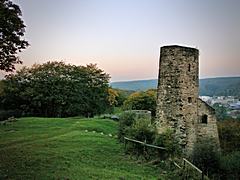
(124, 37)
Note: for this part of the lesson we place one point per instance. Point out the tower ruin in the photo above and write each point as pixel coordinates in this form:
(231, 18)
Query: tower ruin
(178, 105)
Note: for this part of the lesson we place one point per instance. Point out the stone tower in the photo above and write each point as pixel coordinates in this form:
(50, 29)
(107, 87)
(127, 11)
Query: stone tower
(178, 105)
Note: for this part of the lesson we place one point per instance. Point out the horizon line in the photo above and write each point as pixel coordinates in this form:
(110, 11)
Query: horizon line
(211, 77)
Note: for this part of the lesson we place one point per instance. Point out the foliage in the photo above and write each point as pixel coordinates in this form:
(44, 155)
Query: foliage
(5, 114)
(56, 89)
(119, 96)
(125, 122)
(142, 101)
(142, 130)
(167, 140)
(112, 96)
(206, 156)
(230, 166)
(221, 111)
(12, 30)
(59, 148)
(229, 135)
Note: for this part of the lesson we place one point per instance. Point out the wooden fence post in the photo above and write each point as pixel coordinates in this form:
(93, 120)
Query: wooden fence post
(125, 144)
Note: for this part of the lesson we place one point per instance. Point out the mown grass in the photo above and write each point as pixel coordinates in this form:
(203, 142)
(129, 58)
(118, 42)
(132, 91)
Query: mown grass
(60, 148)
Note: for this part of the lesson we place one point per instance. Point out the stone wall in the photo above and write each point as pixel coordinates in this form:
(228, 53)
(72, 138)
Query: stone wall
(177, 101)
(207, 123)
(145, 114)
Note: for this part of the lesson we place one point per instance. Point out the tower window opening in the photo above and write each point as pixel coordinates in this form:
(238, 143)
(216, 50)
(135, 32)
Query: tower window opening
(189, 100)
(189, 67)
(204, 119)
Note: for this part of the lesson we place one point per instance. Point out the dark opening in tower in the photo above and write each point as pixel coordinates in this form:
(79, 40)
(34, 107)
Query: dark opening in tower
(204, 119)
(189, 67)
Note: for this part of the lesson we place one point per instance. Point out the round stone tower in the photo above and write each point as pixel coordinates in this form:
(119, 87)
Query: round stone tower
(177, 102)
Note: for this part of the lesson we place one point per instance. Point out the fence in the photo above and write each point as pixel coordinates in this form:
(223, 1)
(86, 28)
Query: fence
(140, 142)
(185, 168)
(146, 153)
(186, 163)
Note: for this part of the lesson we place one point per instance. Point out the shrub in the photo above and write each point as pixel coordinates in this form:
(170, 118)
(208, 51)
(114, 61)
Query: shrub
(206, 156)
(142, 101)
(229, 135)
(5, 114)
(143, 131)
(125, 122)
(230, 166)
(168, 141)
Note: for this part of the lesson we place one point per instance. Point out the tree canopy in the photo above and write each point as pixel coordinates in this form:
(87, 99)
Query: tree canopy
(142, 101)
(12, 30)
(56, 89)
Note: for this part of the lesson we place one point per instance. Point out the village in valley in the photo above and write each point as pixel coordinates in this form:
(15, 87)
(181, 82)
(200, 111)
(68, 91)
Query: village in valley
(230, 103)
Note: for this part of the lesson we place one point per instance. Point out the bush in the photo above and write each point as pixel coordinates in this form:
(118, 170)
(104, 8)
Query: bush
(5, 114)
(229, 135)
(168, 141)
(142, 101)
(125, 122)
(142, 130)
(230, 166)
(206, 156)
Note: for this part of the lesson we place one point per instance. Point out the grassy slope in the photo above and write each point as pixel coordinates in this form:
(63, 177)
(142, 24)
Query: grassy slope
(44, 148)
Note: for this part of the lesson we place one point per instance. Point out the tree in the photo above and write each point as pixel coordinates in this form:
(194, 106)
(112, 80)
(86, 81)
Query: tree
(122, 96)
(206, 156)
(56, 89)
(112, 96)
(12, 30)
(142, 101)
(221, 111)
(229, 135)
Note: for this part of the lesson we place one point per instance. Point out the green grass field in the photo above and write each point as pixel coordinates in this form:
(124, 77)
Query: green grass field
(60, 148)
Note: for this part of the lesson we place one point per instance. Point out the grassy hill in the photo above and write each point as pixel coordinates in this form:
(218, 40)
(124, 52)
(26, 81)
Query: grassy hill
(54, 148)
(226, 86)
(138, 85)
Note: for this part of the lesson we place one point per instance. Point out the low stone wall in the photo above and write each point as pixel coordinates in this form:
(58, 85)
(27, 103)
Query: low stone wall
(142, 113)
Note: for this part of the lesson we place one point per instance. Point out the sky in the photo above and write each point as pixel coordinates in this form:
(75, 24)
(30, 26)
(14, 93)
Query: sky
(124, 36)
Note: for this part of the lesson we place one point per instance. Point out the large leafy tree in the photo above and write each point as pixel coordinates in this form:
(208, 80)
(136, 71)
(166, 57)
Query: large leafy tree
(142, 101)
(56, 89)
(12, 31)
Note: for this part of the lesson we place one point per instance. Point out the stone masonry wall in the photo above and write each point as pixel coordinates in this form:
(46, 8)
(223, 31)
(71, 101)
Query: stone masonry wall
(178, 93)
(178, 105)
(207, 123)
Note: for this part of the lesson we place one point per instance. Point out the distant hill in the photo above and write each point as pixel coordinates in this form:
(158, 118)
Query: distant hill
(226, 86)
(223, 86)
(139, 85)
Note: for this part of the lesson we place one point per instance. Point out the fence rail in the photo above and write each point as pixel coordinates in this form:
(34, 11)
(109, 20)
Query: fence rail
(143, 143)
(185, 161)
(188, 162)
